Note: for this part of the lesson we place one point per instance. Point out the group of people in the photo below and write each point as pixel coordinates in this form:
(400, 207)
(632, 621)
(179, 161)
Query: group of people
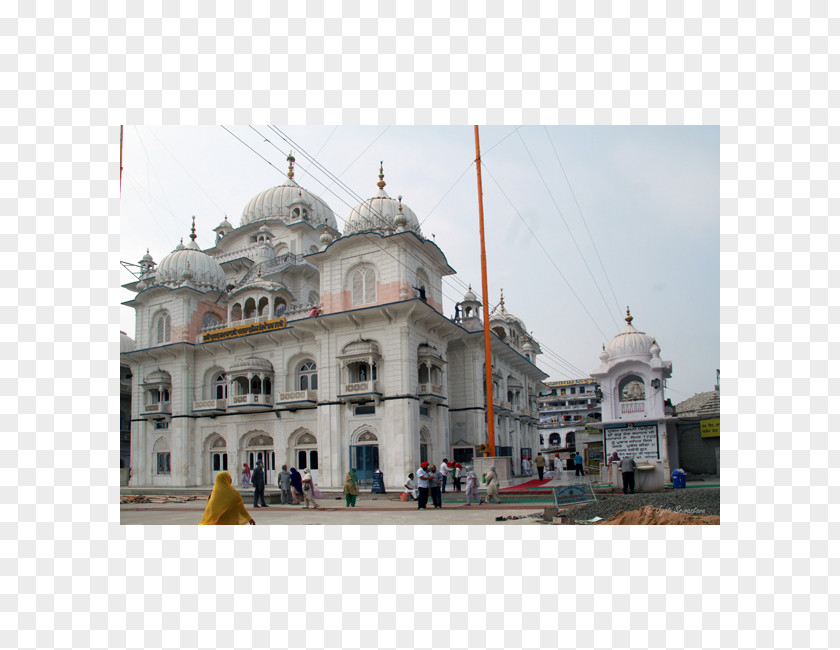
(431, 481)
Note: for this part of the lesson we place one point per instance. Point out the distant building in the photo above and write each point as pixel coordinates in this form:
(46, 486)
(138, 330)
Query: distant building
(567, 409)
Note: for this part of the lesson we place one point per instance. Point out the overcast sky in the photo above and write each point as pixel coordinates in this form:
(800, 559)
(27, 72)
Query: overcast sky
(580, 222)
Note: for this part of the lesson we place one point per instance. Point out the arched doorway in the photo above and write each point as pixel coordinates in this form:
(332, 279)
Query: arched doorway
(306, 454)
(217, 457)
(260, 447)
(364, 455)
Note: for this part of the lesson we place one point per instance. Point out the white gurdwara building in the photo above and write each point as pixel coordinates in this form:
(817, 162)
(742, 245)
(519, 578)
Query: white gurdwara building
(233, 362)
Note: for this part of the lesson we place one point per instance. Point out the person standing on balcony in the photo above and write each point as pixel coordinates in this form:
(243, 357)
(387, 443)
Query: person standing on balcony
(258, 481)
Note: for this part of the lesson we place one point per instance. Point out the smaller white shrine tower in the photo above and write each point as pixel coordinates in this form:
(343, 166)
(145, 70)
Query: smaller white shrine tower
(632, 378)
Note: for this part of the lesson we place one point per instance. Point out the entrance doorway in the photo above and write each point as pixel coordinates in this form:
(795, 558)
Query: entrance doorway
(306, 454)
(364, 459)
(218, 463)
(261, 448)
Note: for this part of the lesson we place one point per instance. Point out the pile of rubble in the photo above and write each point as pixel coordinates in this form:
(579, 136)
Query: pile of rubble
(141, 498)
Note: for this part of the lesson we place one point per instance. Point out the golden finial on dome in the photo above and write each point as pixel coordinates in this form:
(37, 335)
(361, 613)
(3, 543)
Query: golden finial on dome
(259, 271)
(628, 318)
(603, 347)
(192, 234)
(381, 183)
(291, 160)
(502, 301)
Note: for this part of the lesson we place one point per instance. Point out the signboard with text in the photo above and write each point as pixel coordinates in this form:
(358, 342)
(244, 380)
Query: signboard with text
(242, 330)
(573, 494)
(710, 428)
(637, 442)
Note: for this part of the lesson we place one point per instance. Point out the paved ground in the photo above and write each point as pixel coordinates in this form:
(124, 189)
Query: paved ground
(368, 511)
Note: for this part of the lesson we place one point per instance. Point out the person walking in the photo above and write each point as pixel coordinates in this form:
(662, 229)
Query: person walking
(308, 488)
(284, 482)
(458, 474)
(492, 486)
(472, 487)
(225, 506)
(524, 466)
(258, 481)
(245, 480)
(423, 485)
(445, 467)
(558, 466)
(530, 466)
(297, 486)
(351, 489)
(540, 463)
(436, 478)
(579, 465)
(628, 465)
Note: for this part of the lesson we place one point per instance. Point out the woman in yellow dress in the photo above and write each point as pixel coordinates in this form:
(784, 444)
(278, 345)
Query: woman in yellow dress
(225, 506)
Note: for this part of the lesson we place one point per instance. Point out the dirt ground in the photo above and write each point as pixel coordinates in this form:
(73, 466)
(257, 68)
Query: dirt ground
(651, 516)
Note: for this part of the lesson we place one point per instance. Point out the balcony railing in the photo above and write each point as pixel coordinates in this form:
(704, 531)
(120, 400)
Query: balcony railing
(430, 389)
(250, 400)
(360, 388)
(219, 405)
(160, 407)
(298, 399)
(632, 407)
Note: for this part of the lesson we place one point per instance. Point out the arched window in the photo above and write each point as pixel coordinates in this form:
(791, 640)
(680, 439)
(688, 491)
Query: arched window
(220, 386)
(256, 385)
(308, 376)
(209, 321)
(163, 328)
(631, 389)
(279, 306)
(364, 286)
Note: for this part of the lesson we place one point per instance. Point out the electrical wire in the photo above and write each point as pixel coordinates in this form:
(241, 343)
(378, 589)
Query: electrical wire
(539, 243)
(586, 225)
(565, 223)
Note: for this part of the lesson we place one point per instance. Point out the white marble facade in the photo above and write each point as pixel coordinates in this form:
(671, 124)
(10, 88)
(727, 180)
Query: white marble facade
(379, 378)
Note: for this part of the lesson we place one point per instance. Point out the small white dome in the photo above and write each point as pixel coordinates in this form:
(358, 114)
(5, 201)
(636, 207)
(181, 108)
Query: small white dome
(380, 213)
(126, 343)
(281, 202)
(470, 296)
(630, 342)
(202, 271)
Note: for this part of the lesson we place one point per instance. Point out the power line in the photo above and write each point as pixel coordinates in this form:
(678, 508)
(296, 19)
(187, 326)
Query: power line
(539, 243)
(565, 223)
(586, 225)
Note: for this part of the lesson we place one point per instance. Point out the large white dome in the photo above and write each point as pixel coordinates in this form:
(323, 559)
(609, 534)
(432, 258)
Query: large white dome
(630, 342)
(126, 343)
(189, 264)
(381, 213)
(291, 203)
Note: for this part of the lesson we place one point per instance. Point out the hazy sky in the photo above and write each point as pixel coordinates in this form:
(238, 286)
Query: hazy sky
(636, 223)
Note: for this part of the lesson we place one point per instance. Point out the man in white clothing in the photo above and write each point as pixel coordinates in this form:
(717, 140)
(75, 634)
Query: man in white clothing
(422, 486)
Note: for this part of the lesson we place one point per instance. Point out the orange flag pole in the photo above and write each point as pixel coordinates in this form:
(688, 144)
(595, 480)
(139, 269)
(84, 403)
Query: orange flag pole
(488, 366)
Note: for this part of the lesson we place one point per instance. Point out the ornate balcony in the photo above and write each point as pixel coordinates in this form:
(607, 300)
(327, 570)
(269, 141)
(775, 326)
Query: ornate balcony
(300, 399)
(250, 402)
(431, 393)
(360, 391)
(210, 406)
(157, 411)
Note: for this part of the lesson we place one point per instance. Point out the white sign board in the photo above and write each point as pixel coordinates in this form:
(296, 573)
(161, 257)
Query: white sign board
(638, 443)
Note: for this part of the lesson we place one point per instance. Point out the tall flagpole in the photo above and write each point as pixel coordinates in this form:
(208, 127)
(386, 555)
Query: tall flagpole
(121, 148)
(488, 366)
